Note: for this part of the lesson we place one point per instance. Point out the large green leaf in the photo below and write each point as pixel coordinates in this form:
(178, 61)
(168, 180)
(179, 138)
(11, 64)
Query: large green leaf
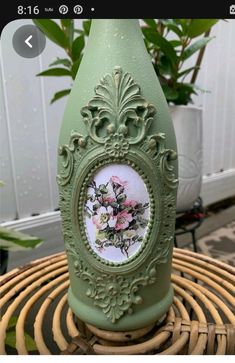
(30, 343)
(64, 61)
(165, 66)
(55, 72)
(175, 43)
(173, 26)
(68, 27)
(185, 91)
(17, 241)
(66, 22)
(52, 31)
(86, 26)
(75, 67)
(12, 322)
(170, 93)
(77, 47)
(11, 340)
(165, 46)
(200, 26)
(191, 49)
(60, 94)
(184, 24)
(151, 23)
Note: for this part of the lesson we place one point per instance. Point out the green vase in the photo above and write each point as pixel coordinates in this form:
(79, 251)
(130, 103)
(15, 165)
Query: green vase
(117, 176)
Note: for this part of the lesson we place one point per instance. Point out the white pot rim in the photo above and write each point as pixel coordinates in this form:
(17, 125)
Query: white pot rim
(193, 107)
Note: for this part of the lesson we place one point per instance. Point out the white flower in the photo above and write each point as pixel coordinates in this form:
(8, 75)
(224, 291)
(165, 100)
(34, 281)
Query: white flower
(129, 233)
(104, 218)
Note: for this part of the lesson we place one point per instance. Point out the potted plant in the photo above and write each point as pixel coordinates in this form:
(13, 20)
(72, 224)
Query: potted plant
(171, 43)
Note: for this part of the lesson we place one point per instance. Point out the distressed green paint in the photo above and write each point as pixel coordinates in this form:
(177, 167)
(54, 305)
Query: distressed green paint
(117, 114)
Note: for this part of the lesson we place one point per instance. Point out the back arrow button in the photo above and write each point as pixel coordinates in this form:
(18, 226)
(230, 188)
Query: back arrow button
(27, 41)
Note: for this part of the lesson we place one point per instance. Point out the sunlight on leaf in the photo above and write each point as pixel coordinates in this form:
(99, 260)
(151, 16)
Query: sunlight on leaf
(15, 241)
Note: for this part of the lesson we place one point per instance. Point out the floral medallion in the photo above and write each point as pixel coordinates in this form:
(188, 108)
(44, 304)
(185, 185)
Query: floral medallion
(116, 212)
(116, 145)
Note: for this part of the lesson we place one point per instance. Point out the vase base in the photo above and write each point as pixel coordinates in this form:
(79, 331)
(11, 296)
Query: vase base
(140, 320)
(119, 336)
(123, 336)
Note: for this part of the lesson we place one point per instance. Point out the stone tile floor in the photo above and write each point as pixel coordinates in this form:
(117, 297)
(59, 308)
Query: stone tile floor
(219, 244)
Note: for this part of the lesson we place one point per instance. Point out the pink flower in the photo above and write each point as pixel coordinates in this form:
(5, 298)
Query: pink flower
(130, 203)
(123, 220)
(109, 199)
(117, 180)
(104, 218)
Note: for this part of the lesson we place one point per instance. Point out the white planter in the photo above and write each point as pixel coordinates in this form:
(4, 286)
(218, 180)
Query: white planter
(187, 121)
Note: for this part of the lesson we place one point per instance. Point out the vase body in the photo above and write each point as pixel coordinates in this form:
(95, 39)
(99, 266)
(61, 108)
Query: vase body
(187, 121)
(117, 176)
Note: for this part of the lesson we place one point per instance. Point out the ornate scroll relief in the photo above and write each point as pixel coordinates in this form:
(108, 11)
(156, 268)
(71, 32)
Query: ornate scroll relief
(117, 103)
(117, 120)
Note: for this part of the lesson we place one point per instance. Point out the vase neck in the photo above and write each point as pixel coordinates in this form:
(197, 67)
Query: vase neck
(113, 26)
(113, 32)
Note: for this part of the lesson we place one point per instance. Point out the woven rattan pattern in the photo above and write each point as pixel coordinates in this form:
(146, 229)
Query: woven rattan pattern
(200, 321)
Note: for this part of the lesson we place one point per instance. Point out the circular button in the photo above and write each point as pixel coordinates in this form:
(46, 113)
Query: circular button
(28, 41)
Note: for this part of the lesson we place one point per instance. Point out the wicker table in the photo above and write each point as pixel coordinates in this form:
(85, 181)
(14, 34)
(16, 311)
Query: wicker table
(200, 321)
